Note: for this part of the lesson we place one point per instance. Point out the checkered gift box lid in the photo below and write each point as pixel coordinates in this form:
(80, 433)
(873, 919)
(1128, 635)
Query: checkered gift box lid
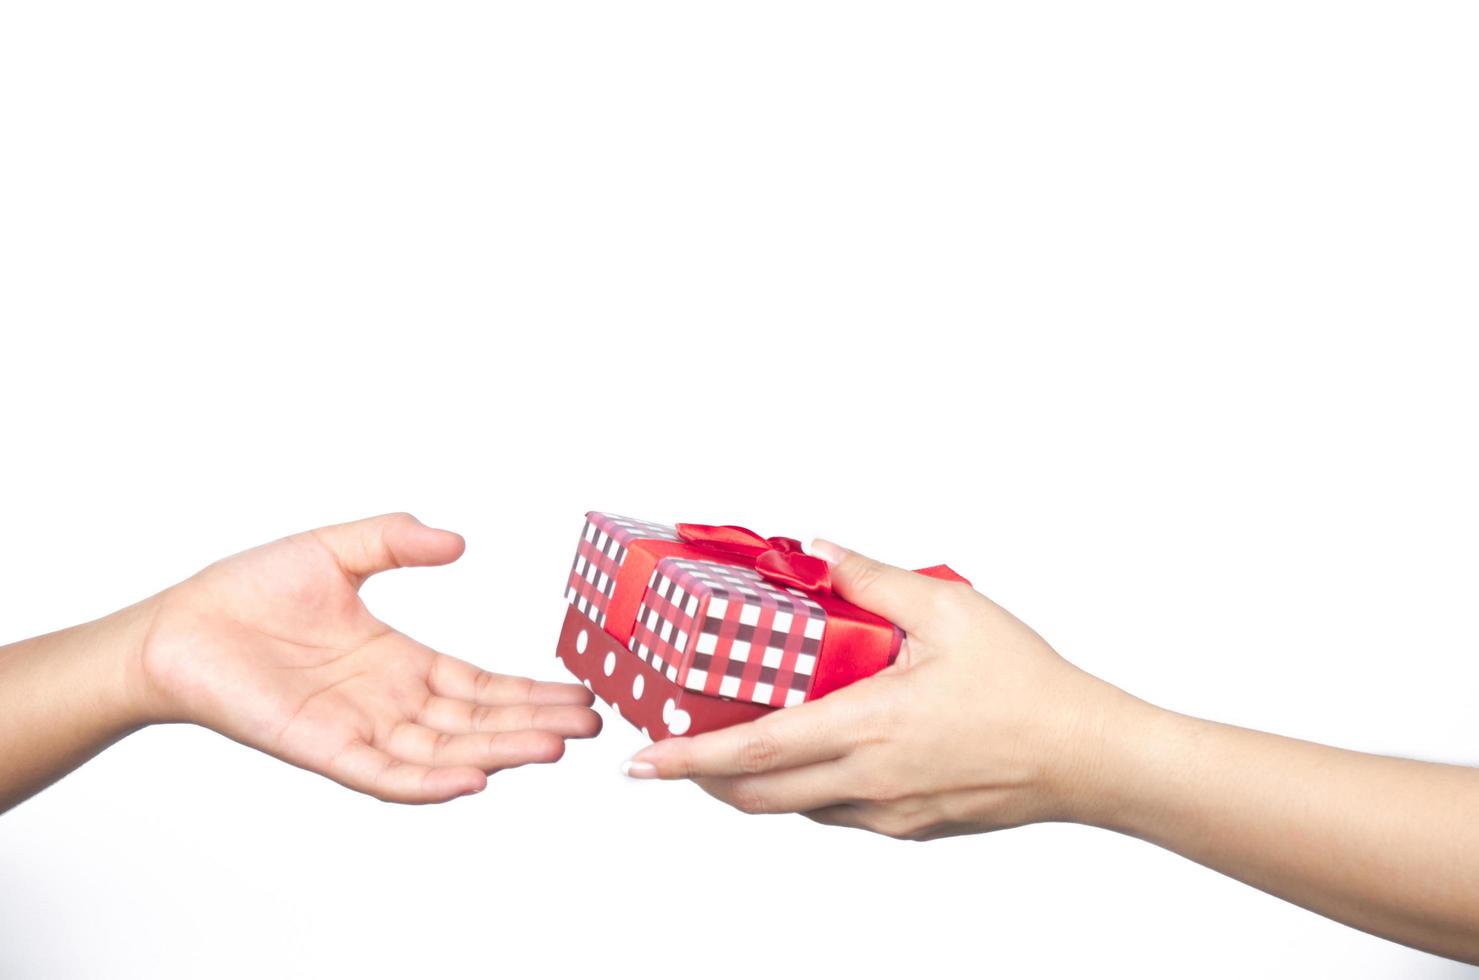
(725, 630)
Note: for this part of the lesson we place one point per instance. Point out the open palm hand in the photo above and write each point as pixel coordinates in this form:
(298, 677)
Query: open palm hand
(274, 648)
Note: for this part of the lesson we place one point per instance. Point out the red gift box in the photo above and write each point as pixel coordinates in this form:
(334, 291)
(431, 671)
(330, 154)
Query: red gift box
(688, 628)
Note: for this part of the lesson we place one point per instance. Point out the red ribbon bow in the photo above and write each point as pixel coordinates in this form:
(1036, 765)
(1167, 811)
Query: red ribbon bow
(778, 559)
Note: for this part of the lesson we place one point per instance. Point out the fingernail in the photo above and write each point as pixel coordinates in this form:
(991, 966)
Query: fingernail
(638, 770)
(827, 551)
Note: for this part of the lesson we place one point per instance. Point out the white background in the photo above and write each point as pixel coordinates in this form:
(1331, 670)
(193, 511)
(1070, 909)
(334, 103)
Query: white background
(1152, 318)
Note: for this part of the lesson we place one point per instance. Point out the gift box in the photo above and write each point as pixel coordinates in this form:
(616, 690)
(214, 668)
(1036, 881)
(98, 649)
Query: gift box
(690, 627)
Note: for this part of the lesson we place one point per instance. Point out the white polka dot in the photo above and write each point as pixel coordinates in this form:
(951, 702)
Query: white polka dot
(646, 734)
(610, 665)
(581, 639)
(637, 685)
(616, 707)
(667, 710)
(678, 723)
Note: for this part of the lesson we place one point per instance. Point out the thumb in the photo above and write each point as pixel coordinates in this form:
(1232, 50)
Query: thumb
(904, 598)
(377, 544)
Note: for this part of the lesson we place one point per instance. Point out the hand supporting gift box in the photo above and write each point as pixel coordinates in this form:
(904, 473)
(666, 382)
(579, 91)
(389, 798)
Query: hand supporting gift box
(688, 628)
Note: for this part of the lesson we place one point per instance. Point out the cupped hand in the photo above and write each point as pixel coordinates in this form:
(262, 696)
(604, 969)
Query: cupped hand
(980, 725)
(274, 648)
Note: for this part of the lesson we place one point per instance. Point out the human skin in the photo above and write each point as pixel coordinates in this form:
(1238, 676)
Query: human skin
(274, 648)
(982, 726)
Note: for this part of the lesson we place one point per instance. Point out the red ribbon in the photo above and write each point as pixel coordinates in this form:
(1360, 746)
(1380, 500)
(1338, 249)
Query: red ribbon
(778, 559)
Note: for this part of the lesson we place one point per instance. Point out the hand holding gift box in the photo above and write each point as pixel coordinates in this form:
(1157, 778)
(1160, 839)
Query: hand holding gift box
(688, 628)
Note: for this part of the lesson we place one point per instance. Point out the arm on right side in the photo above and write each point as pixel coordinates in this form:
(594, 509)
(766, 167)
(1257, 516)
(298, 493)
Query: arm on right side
(982, 726)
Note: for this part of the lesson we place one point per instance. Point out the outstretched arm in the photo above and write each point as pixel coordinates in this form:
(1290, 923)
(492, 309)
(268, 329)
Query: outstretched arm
(274, 648)
(981, 726)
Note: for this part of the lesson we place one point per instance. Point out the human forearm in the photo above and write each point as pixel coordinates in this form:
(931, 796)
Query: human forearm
(980, 726)
(66, 696)
(1387, 845)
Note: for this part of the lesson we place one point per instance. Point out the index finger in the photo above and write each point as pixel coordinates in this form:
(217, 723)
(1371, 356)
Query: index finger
(816, 731)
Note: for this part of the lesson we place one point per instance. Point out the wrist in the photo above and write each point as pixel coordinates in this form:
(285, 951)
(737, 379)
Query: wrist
(1135, 751)
(1101, 760)
(133, 698)
(86, 676)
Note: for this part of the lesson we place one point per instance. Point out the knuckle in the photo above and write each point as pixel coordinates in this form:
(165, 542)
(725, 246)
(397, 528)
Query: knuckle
(865, 575)
(880, 822)
(877, 788)
(759, 752)
(748, 799)
(953, 599)
(399, 518)
(899, 827)
(900, 819)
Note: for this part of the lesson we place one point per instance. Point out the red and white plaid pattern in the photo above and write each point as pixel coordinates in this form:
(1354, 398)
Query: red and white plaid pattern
(725, 630)
(603, 548)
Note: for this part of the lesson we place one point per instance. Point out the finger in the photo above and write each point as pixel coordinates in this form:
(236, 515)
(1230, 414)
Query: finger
(486, 751)
(453, 678)
(816, 731)
(899, 596)
(786, 791)
(369, 770)
(455, 716)
(378, 544)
